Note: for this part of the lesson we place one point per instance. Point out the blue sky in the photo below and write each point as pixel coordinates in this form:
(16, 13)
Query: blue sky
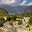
(16, 2)
(28, 1)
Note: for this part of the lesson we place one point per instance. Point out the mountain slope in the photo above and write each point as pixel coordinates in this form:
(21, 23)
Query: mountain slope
(3, 12)
(17, 9)
(29, 14)
(27, 9)
(12, 10)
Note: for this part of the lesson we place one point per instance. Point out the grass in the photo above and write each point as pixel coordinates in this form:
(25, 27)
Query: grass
(9, 31)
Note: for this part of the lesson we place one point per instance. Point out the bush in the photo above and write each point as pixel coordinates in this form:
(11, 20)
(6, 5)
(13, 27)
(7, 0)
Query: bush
(19, 22)
(27, 26)
(2, 19)
(9, 31)
(1, 24)
(8, 18)
(30, 21)
(13, 18)
(11, 23)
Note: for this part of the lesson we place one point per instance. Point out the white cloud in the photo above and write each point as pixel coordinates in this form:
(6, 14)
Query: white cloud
(15, 2)
(23, 3)
(9, 1)
(29, 4)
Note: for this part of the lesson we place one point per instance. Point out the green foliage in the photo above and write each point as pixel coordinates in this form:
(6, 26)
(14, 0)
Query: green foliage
(1, 24)
(9, 31)
(27, 26)
(19, 22)
(13, 17)
(20, 17)
(8, 18)
(29, 29)
(11, 23)
(2, 19)
(29, 14)
(30, 21)
(3, 12)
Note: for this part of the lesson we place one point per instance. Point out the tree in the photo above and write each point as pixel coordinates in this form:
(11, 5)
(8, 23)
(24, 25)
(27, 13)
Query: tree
(19, 22)
(13, 18)
(2, 19)
(8, 18)
(1, 23)
(30, 21)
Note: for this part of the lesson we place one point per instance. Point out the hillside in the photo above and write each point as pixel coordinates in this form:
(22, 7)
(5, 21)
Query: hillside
(12, 10)
(17, 9)
(29, 14)
(20, 10)
(3, 12)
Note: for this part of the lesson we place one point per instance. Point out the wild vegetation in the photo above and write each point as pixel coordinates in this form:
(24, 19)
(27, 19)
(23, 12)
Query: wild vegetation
(3, 12)
(29, 14)
(11, 19)
(19, 22)
(30, 21)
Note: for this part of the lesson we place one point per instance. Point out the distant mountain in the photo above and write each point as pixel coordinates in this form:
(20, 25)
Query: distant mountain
(3, 12)
(12, 10)
(17, 9)
(27, 9)
(21, 9)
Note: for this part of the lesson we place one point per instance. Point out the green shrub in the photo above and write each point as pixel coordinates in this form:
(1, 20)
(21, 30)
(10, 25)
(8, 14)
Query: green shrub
(1, 24)
(11, 23)
(13, 17)
(8, 18)
(19, 22)
(2, 19)
(30, 21)
(27, 26)
(9, 31)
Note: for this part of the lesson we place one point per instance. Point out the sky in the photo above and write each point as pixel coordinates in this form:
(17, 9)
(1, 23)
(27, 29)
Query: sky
(16, 2)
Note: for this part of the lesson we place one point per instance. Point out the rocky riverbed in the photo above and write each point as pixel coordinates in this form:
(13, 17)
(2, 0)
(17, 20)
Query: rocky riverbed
(16, 28)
